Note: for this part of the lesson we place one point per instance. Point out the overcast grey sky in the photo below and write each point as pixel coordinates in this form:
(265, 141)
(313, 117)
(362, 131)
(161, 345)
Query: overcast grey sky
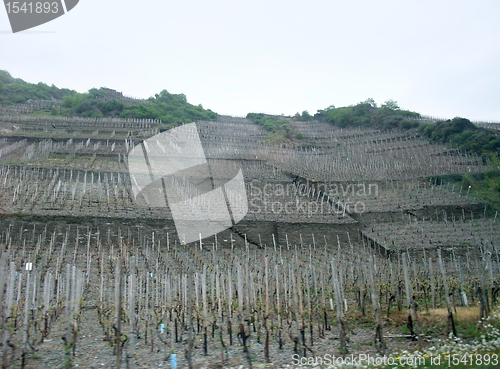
(439, 58)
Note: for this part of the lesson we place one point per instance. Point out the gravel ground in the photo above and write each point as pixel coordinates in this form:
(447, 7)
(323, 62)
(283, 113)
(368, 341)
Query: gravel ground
(93, 351)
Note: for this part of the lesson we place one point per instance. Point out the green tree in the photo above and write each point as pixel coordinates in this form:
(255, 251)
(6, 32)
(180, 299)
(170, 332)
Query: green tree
(370, 102)
(5, 76)
(391, 104)
(305, 116)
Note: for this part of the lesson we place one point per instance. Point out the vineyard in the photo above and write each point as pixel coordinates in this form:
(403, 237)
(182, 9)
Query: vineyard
(351, 245)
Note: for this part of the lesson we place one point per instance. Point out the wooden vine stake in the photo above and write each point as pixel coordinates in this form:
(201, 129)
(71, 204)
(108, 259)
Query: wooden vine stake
(483, 295)
(229, 306)
(294, 287)
(189, 350)
(132, 298)
(280, 329)
(433, 283)
(340, 319)
(118, 311)
(242, 334)
(410, 301)
(379, 337)
(25, 323)
(205, 312)
(8, 325)
(266, 317)
(447, 294)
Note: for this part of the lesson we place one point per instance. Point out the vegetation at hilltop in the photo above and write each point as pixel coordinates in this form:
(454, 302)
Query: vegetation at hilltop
(368, 114)
(15, 90)
(172, 109)
(460, 132)
(304, 117)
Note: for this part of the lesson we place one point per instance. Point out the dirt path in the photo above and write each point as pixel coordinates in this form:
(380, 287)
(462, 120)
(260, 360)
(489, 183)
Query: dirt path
(91, 350)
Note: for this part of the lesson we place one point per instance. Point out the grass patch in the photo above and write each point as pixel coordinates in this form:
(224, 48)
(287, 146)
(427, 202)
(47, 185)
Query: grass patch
(466, 321)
